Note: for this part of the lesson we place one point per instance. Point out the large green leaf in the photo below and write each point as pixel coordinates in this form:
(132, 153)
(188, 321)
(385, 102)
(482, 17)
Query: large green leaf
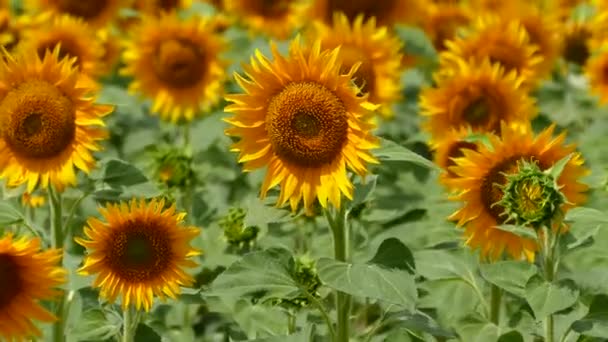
(547, 298)
(509, 275)
(96, 325)
(392, 253)
(419, 322)
(595, 323)
(119, 173)
(393, 152)
(367, 280)
(9, 214)
(263, 275)
(144, 333)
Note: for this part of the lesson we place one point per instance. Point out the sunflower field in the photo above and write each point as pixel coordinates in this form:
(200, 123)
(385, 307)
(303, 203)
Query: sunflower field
(304, 170)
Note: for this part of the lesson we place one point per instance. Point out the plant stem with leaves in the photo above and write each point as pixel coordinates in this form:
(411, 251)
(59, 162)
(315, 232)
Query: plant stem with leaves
(340, 230)
(57, 235)
(548, 243)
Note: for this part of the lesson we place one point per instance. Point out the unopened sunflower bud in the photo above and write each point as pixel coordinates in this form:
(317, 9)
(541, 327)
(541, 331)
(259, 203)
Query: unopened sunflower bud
(235, 231)
(173, 168)
(531, 196)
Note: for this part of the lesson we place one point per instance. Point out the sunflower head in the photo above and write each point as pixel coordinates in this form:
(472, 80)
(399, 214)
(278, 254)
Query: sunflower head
(71, 36)
(301, 117)
(173, 167)
(480, 96)
(276, 18)
(452, 145)
(531, 196)
(386, 12)
(374, 48)
(576, 46)
(176, 63)
(498, 182)
(28, 275)
(596, 70)
(49, 122)
(443, 22)
(97, 13)
(499, 40)
(139, 252)
(156, 7)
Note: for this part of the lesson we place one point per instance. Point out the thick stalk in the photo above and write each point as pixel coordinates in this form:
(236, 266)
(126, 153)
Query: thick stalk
(549, 266)
(495, 303)
(341, 236)
(128, 332)
(57, 236)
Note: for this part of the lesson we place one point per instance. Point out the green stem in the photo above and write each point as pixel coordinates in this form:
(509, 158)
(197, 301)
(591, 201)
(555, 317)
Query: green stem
(495, 303)
(291, 322)
(549, 267)
(57, 236)
(186, 137)
(340, 232)
(127, 325)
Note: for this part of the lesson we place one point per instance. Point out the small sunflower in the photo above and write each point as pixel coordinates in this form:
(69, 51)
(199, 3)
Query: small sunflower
(501, 41)
(386, 12)
(443, 22)
(156, 7)
(177, 64)
(139, 252)
(49, 122)
(277, 18)
(578, 37)
(72, 36)
(477, 95)
(483, 173)
(596, 70)
(300, 116)
(97, 13)
(375, 48)
(28, 276)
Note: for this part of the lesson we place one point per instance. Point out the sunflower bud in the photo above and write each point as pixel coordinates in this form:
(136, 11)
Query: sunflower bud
(304, 272)
(173, 168)
(531, 196)
(235, 231)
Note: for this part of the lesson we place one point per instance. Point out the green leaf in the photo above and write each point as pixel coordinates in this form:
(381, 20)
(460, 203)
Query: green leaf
(119, 173)
(363, 191)
(304, 335)
(416, 42)
(595, 323)
(441, 265)
(419, 321)
(547, 298)
(587, 216)
(96, 325)
(392, 253)
(521, 231)
(393, 152)
(9, 214)
(477, 329)
(511, 336)
(263, 275)
(556, 170)
(365, 280)
(260, 214)
(144, 333)
(511, 276)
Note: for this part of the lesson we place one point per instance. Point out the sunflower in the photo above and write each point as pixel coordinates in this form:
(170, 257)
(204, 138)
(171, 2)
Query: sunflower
(443, 22)
(482, 173)
(301, 117)
(49, 122)
(139, 252)
(596, 70)
(450, 146)
(32, 200)
(72, 36)
(478, 95)
(156, 7)
(177, 64)
(111, 51)
(277, 18)
(10, 33)
(28, 276)
(375, 48)
(96, 13)
(577, 42)
(386, 12)
(501, 41)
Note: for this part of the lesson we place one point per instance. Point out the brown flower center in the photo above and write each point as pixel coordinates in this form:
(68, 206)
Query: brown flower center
(139, 251)
(168, 5)
(179, 63)
(307, 124)
(491, 188)
(37, 120)
(364, 77)
(477, 113)
(269, 8)
(87, 9)
(11, 283)
(576, 49)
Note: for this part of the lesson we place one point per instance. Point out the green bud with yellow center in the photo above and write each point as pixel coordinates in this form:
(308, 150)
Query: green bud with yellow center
(236, 233)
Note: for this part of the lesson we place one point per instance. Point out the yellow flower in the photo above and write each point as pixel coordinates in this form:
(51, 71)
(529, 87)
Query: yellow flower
(156, 7)
(375, 48)
(577, 42)
(111, 51)
(31, 200)
(277, 18)
(176, 63)
(72, 36)
(443, 22)
(28, 276)
(451, 145)
(49, 122)
(482, 173)
(139, 252)
(596, 70)
(477, 95)
(501, 41)
(300, 117)
(386, 12)
(96, 13)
